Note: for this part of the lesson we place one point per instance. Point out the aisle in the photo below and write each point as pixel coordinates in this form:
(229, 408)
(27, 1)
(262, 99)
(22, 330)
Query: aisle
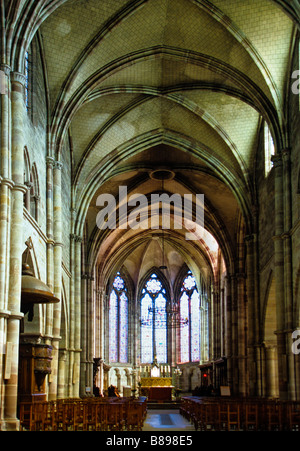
(166, 420)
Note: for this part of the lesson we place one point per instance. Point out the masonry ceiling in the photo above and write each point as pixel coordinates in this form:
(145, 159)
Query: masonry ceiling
(133, 83)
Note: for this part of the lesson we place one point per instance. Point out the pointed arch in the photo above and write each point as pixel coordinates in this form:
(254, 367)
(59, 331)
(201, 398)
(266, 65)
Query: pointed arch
(153, 304)
(189, 311)
(118, 313)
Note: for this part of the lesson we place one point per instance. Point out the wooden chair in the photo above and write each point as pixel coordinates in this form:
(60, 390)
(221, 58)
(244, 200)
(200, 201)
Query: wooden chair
(229, 416)
(209, 417)
(134, 419)
(250, 420)
(90, 416)
(272, 416)
(293, 416)
(67, 410)
(26, 416)
(114, 420)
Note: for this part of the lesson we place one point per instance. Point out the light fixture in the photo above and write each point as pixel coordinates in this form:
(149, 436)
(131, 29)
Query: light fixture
(173, 319)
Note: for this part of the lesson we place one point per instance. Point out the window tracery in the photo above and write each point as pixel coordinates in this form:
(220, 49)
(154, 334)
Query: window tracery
(118, 321)
(154, 323)
(190, 345)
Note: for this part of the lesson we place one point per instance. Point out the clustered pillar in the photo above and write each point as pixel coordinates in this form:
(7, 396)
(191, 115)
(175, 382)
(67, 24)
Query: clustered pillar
(283, 275)
(12, 191)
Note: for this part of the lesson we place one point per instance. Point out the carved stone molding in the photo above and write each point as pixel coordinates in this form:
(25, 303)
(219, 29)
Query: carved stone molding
(58, 165)
(17, 77)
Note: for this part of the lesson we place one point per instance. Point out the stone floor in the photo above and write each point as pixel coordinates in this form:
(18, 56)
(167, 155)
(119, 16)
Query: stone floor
(166, 420)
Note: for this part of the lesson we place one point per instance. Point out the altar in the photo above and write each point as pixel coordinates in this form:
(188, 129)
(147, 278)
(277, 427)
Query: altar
(157, 388)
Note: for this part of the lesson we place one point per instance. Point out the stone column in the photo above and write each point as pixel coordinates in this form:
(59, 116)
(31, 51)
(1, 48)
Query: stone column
(242, 333)
(5, 188)
(61, 383)
(57, 260)
(50, 162)
(91, 330)
(16, 234)
(101, 335)
(234, 334)
(5, 193)
(72, 317)
(87, 332)
(217, 328)
(84, 345)
(279, 276)
(228, 326)
(77, 325)
(252, 317)
(271, 373)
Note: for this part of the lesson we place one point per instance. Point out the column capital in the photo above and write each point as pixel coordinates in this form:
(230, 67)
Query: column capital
(8, 182)
(6, 69)
(286, 153)
(50, 162)
(277, 160)
(87, 276)
(20, 187)
(58, 165)
(18, 77)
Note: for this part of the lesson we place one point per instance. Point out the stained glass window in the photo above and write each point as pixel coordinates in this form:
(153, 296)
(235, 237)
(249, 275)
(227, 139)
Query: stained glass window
(190, 344)
(118, 321)
(154, 321)
(27, 70)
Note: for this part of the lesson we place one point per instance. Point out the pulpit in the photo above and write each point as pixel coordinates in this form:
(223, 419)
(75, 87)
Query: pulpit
(35, 364)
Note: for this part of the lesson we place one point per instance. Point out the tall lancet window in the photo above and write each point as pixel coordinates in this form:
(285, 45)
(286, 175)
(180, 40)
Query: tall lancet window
(28, 79)
(154, 321)
(118, 321)
(190, 350)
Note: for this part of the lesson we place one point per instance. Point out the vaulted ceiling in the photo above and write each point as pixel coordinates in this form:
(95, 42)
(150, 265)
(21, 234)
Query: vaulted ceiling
(184, 84)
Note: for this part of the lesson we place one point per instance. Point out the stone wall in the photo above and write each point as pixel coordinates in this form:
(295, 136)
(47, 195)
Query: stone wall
(35, 132)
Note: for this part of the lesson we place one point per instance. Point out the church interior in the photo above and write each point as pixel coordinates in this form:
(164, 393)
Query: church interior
(149, 213)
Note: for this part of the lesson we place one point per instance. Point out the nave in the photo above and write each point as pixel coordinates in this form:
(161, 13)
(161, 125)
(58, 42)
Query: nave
(191, 413)
(149, 209)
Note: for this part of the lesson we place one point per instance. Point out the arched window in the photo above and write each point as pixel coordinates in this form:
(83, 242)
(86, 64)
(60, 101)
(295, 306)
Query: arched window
(154, 321)
(34, 193)
(28, 79)
(190, 349)
(32, 196)
(118, 321)
(269, 148)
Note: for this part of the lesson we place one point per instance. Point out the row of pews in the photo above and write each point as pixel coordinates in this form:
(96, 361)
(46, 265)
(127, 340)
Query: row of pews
(243, 414)
(88, 414)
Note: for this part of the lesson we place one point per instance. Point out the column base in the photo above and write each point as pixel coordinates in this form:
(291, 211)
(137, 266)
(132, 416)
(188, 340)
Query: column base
(11, 425)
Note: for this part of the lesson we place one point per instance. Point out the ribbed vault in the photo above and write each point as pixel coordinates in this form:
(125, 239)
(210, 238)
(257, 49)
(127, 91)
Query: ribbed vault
(137, 85)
